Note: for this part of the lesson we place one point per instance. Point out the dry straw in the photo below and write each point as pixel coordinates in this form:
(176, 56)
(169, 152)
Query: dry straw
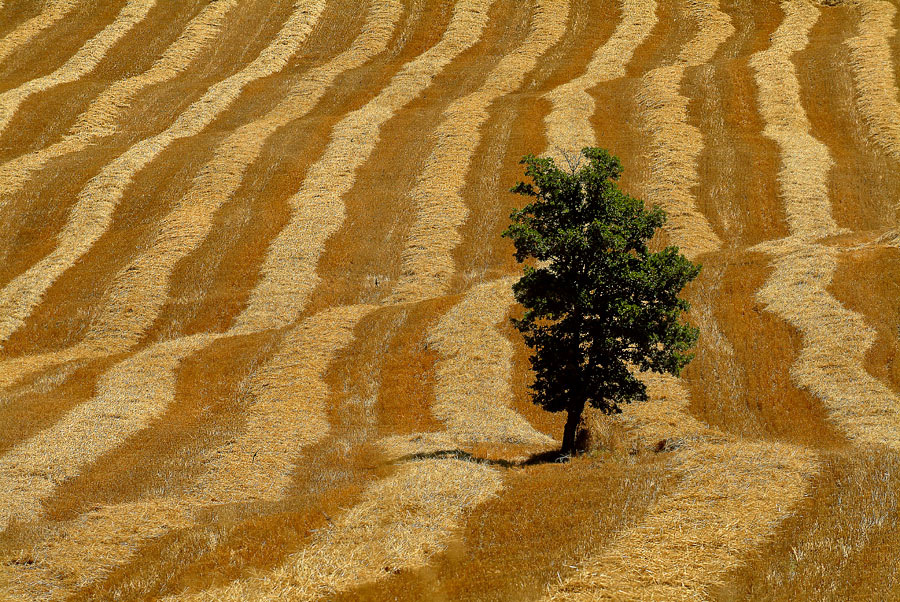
(876, 83)
(130, 396)
(91, 215)
(140, 290)
(472, 388)
(835, 339)
(568, 124)
(731, 497)
(51, 12)
(404, 520)
(427, 262)
(81, 63)
(229, 474)
(289, 271)
(285, 412)
(100, 117)
(676, 143)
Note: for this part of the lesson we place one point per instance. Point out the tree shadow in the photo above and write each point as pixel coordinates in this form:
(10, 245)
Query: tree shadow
(545, 457)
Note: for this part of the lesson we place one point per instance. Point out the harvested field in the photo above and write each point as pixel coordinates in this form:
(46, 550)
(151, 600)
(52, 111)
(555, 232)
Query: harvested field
(254, 315)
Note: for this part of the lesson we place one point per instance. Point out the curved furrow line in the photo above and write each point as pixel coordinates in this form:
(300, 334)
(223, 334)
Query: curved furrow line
(140, 289)
(568, 126)
(427, 263)
(232, 474)
(100, 117)
(676, 143)
(835, 339)
(285, 412)
(130, 396)
(732, 495)
(871, 63)
(53, 11)
(92, 213)
(404, 520)
(472, 378)
(289, 271)
(83, 62)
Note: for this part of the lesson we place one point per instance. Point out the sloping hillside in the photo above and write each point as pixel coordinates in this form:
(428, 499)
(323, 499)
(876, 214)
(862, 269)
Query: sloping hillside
(254, 302)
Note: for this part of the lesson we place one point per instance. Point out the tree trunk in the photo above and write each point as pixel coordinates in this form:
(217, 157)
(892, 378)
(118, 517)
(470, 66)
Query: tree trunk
(572, 422)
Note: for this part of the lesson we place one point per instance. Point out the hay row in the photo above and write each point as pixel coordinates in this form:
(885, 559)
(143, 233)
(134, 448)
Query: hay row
(129, 397)
(472, 377)
(568, 125)
(140, 289)
(835, 339)
(732, 496)
(88, 549)
(81, 63)
(427, 263)
(872, 67)
(404, 520)
(676, 143)
(285, 412)
(52, 11)
(92, 213)
(99, 119)
(317, 211)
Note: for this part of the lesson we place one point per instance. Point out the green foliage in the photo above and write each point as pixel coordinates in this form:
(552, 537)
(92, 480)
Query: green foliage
(600, 302)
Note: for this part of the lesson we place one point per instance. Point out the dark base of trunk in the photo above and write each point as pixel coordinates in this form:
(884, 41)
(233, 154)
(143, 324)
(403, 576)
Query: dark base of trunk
(572, 422)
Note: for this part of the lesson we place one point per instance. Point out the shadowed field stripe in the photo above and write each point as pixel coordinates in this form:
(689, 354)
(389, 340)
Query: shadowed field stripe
(285, 411)
(732, 496)
(83, 62)
(835, 339)
(676, 143)
(871, 63)
(140, 289)
(317, 210)
(404, 520)
(53, 11)
(91, 215)
(568, 125)
(427, 263)
(100, 117)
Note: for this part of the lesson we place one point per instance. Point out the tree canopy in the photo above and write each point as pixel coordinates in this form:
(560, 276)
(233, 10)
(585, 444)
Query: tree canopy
(598, 302)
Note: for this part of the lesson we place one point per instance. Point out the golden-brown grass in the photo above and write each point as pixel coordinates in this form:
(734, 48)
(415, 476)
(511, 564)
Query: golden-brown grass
(676, 143)
(568, 127)
(731, 497)
(82, 63)
(91, 215)
(287, 412)
(404, 520)
(288, 274)
(876, 82)
(139, 292)
(52, 12)
(840, 545)
(284, 413)
(427, 262)
(472, 390)
(100, 118)
(129, 397)
(835, 339)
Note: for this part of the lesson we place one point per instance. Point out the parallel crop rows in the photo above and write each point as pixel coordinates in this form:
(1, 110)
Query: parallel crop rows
(731, 494)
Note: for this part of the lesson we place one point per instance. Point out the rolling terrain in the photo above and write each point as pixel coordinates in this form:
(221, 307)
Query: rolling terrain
(254, 301)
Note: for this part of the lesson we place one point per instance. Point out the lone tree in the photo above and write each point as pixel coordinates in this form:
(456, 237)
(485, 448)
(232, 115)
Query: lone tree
(599, 303)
